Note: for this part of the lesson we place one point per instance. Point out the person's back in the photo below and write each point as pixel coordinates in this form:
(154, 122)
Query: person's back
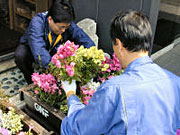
(151, 97)
(144, 100)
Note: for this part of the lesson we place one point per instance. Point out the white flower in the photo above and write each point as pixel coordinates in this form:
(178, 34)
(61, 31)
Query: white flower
(93, 85)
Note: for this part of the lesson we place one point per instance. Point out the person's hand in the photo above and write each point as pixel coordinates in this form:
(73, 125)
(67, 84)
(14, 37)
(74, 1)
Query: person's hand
(69, 88)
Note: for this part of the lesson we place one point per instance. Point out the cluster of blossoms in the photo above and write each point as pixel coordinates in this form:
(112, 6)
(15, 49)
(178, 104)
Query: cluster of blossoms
(88, 90)
(97, 56)
(10, 122)
(62, 59)
(112, 70)
(89, 63)
(78, 63)
(72, 62)
(45, 82)
(114, 64)
(28, 132)
(47, 89)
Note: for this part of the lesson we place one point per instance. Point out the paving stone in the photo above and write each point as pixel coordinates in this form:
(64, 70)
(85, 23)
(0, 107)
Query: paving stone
(5, 79)
(24, 81)
(13, 73)
(20, 82)
(11, 91)
(14, 79)
(8, 82)
(16, 87)
(18, 71)
(5, 87)
(20, 76)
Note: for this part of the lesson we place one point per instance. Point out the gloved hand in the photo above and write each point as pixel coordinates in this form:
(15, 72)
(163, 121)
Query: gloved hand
(69, 88)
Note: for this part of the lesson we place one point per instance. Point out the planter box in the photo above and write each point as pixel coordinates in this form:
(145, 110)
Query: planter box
(46, 115)
(37, 128)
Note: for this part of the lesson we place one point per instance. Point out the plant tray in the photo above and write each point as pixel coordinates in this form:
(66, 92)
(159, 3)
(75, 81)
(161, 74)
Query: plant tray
(37, 128)
(45, 114)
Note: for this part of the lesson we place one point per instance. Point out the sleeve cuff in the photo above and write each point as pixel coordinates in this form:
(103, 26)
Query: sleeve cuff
(74, 104)
(72, 100)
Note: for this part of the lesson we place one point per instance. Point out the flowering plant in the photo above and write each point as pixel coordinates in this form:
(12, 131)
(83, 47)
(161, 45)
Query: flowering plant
(88, 90)
(88, 66)
(78, 63)
(46, 88)
(10, 123)
(113, 69)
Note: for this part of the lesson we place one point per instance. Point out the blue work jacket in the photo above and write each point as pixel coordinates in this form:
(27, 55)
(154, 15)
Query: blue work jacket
(36, 36)
(144, 100)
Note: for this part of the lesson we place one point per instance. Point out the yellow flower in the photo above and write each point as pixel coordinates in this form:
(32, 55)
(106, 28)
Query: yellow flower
(106, 66)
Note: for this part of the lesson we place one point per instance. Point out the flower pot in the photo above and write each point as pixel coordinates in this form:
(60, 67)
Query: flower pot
(45, 114)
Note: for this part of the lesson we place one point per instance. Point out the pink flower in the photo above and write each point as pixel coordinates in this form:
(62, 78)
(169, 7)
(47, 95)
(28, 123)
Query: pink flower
(178, 132)
(21, 133)
(45, 82)
(85, 92)
(35, 77)
(70, 71)
(61, 56)
(31, 126)
(59, 92)
(91, 92)
(86, 100)
(66, 50)
(101, 79)
(110, 76)
(72, 64)
(54, 58)
(58, 64)
(4, 131)
(36, 92)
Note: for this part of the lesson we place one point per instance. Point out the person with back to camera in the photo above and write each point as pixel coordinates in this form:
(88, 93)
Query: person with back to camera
(144, 100)
(46, 32)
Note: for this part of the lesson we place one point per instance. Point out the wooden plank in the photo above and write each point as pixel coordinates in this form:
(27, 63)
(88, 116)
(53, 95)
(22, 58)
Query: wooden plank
(171, 9)
(31, 1)
(11, 14)
(41, 6)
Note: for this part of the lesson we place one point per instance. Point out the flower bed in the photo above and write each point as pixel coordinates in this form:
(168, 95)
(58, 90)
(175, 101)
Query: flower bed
(15, 121)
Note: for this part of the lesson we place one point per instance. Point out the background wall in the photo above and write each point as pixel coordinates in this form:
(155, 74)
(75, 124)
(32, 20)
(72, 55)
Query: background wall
(102, 11)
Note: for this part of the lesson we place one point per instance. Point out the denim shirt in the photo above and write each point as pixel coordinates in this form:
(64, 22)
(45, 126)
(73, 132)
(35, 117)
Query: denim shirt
(36, 36)
(144, 100)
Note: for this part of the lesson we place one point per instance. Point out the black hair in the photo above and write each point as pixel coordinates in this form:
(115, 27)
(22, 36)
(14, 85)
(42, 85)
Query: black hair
(133, 29)
(61, 11)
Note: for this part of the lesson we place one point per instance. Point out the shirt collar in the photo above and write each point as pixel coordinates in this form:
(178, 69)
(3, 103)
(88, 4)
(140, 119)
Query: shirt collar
(138, 62)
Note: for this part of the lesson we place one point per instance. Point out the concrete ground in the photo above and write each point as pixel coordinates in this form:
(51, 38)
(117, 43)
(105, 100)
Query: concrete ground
(170, 60)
